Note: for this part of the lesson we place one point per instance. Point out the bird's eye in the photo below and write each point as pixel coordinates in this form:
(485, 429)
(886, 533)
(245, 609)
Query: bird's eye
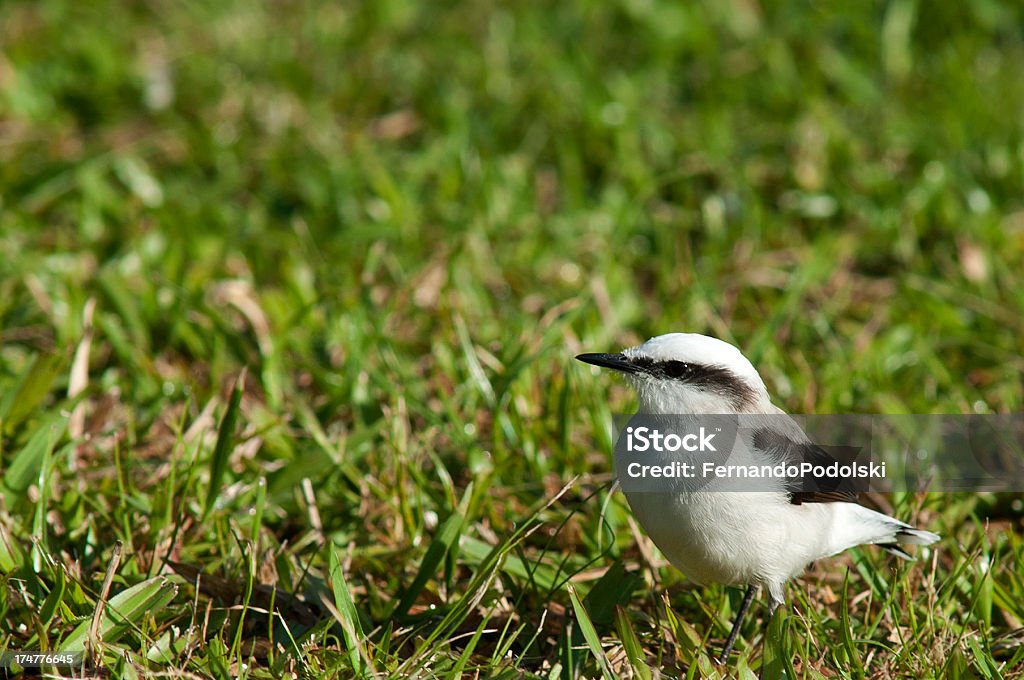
(676, 369)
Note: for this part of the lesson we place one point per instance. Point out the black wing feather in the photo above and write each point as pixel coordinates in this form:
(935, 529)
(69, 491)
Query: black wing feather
(810, 489)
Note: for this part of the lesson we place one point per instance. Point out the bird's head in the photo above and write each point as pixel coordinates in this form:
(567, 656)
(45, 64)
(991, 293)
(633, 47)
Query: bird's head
(682, 373)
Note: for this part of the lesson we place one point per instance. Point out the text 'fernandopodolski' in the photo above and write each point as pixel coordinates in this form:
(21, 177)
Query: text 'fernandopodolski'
(708, 470)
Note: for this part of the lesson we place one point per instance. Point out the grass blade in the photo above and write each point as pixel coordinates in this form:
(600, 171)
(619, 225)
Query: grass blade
(222, 449)
(447, 536)
(631, 644)
(32, 388)
(852, 653)
(11, 556)
(348, 617)
(27, 463)
(590, 633)
(613, 589)
(125, 612)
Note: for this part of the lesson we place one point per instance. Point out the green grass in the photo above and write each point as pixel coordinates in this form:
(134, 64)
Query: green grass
(339, 256)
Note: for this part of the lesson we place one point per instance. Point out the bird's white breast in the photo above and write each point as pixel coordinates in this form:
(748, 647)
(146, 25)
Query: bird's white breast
(734, 537)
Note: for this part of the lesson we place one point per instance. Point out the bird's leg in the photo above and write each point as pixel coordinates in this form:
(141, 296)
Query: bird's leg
(731, 640)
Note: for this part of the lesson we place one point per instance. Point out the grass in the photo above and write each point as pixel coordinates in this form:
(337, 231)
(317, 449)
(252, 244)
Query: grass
(289, 294)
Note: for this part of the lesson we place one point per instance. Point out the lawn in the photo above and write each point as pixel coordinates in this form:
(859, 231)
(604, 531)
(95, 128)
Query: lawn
(290, 293)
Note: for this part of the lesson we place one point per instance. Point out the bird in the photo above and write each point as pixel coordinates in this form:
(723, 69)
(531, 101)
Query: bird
(760, 538)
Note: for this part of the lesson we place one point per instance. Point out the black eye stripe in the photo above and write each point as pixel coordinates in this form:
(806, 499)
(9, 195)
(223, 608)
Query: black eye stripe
(711, 378)
(677, 369)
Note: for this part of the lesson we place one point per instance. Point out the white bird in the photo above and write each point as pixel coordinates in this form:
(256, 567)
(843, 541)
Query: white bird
(739, 538)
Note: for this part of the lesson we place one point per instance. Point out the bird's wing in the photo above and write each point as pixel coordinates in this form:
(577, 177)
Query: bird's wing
(793, 447)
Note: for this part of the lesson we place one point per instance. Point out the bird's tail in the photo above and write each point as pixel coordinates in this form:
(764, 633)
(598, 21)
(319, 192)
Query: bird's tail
(910, 536)
(889, 533)
(907, 536)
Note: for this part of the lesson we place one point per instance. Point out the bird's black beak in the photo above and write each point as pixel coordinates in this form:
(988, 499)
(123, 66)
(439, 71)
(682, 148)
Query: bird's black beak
(619, 362)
